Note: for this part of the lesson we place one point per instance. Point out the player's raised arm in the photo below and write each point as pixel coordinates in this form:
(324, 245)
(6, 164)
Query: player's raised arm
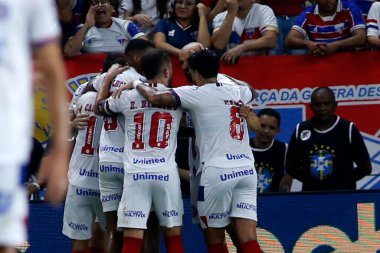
(100, 106)
(165, 98)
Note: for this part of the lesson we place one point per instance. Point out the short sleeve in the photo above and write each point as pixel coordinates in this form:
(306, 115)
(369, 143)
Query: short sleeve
(373, 19)
(186, 96)
(133, 30)
(218, 20)
(127, 5)
(98, 81)
(268, 20)
(43, 22)
(114, 104)
(300, 23)
(162, 26)
(246, 94)
(358, 20)
(360, 151)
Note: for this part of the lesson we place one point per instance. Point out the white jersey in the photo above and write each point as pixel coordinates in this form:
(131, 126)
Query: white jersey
(221, 134)
(373, 20)
(151, 133)
(111, 40)
(83, 168)
(23, 24)
(98, 81)
(193, 149)
(111, 146)
(260, 19)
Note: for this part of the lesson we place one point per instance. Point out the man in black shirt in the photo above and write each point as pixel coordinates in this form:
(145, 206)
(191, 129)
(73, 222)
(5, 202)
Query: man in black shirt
(323, 149)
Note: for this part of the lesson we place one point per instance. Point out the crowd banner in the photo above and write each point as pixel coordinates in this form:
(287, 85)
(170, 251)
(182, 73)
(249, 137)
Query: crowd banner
(286, 82)
(345, 222)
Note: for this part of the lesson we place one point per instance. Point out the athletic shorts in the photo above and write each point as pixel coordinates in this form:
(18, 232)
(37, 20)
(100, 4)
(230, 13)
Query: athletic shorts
(226, 193)
(81, 208)
(111, 179)
(141, 190)
(13, 206)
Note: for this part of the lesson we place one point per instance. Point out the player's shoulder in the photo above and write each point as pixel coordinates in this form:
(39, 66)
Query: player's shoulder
(87, 96)
(129, 75)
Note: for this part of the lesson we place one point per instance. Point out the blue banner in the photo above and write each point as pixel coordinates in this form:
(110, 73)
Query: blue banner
(345, 222)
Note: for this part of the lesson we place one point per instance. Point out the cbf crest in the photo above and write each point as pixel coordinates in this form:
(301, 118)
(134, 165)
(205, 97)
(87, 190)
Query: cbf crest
(264, 177)
(321, 162)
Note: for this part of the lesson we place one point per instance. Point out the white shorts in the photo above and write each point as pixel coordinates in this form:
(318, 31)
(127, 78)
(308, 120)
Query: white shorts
(111, 179)
(81, 208)
(141, 190)
(225, 193)
(13, 206)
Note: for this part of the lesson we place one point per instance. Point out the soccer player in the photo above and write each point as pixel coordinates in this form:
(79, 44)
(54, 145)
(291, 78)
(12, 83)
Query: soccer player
(151, 175)
(27, 27)
(83, 198)
(111, 172)
(227, 191)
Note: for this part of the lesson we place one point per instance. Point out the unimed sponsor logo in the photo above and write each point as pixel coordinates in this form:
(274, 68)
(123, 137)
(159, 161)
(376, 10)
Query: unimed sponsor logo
(237, 156)
(112, 149)
(148, 160)
(236, 174)
(152, 177)
(87, 192)
(111, 168)
(88, 173)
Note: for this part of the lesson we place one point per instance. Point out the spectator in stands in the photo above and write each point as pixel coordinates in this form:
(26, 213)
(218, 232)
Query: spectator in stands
(71, 15)
(187, 24)
(244, 27)
(145, 14)
(328, 26)
(286, 14)
(373, 24)
(269, 153)
(322, 150)
(102, 33)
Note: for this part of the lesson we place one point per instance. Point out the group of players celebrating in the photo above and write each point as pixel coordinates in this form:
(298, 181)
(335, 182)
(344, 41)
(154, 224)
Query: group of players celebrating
(123, 170)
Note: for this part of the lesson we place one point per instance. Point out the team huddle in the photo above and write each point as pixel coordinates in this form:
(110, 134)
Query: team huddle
(135, 171)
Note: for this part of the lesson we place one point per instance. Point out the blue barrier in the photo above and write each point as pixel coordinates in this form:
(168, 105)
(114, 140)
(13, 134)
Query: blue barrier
(288, 223)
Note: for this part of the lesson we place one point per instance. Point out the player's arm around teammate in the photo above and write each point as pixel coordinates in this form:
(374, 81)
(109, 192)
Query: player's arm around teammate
(204, 67)
(164, 194)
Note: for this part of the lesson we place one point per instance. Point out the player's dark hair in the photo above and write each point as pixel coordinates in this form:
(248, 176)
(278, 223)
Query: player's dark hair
(137, 46)
(112, 59)
(320, 89)
(271, 112)
(206, 62)
(153, 62)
